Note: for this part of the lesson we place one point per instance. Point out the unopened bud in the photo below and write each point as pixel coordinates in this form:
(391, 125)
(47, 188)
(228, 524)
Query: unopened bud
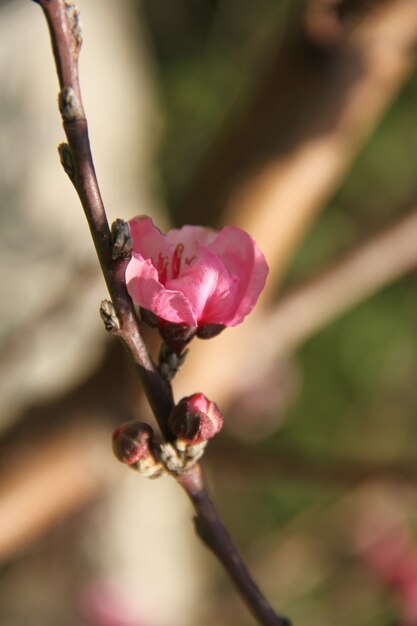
(133, 445)
(195, 420)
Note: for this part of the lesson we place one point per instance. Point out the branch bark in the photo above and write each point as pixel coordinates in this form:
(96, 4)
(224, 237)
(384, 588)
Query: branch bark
(63, 21)
(216, 537)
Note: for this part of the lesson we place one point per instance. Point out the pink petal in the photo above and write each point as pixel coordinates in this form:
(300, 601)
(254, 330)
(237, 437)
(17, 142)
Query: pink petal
(220, 275)
(146, 290)
(147, 239)
(193, 238)
(243, 259)
(208, 287)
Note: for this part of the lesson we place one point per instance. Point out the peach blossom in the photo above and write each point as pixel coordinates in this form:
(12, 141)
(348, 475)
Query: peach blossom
(195, 276)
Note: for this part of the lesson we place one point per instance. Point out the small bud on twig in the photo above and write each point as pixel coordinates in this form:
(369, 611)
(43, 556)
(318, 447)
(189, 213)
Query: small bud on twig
(66, 159)
(109, 317)
(133, 445)
(69, 105)
(73, 15)
(170, 362)
(120, 240)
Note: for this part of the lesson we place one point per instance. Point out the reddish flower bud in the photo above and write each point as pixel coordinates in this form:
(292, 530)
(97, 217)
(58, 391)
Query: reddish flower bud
(132, 444)
(195, 419)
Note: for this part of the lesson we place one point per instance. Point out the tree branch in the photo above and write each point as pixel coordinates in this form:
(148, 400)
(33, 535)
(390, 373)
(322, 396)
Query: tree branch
(62, 18)
(214, 534)
(63, 22)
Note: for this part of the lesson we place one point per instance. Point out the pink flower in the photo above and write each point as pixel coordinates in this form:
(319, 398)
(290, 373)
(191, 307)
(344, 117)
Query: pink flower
(194, 276)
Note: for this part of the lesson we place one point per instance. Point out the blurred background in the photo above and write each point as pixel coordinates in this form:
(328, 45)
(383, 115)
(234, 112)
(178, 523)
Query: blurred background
(294, 119)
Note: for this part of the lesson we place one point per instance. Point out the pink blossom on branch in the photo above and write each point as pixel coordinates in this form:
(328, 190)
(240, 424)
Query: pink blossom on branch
(195, 276)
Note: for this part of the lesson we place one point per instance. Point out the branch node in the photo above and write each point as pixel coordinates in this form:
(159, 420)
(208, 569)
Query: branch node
(177, 458)
(73, 16)
(69, 105)
(170, 458)
(121, 242)
(109, 317)
(66, 159)
(170, 362)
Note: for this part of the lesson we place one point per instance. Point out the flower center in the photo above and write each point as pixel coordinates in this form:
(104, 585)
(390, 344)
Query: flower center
(162, 266)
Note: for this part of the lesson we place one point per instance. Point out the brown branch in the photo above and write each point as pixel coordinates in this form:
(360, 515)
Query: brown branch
(214, 534)
(62, 18)
(66, 466)
(64, 28)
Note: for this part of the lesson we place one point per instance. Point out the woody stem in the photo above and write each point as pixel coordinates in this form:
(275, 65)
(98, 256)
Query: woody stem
(62, 18)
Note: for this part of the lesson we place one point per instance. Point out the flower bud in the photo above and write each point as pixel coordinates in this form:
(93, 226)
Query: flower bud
(132, 445)
(195, 420)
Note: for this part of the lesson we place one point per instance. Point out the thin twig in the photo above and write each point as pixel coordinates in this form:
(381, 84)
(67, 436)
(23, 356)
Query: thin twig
(63, 22)
(214, 534)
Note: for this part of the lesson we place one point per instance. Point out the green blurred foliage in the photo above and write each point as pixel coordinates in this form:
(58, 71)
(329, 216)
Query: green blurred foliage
(206, 53)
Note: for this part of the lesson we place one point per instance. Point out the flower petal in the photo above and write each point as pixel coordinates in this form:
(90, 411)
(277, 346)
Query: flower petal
(147, 239)
(193, 238)
(204, 281)
(243, 259)
(146, 290)
(218, 277)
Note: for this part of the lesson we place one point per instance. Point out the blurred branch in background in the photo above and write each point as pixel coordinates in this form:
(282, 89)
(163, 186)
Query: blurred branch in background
(354, 83)
(275, 165)
(52, 477)
(308, 307)
(238, 460)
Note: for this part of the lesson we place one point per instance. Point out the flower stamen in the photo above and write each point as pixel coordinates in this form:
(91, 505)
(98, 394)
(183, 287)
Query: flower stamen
(176, 260)
(162, 268)
(189, 260)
